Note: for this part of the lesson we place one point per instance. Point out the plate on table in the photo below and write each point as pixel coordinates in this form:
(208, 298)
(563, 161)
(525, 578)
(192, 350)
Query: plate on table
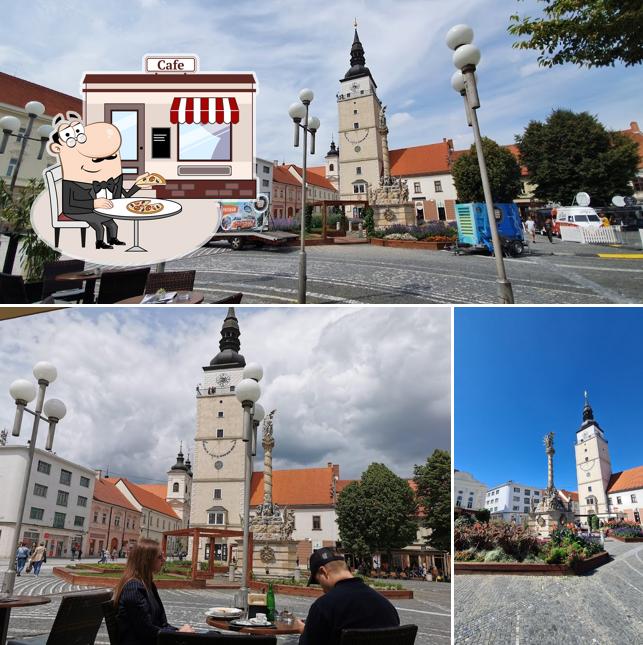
(226, 613)
(251, 623)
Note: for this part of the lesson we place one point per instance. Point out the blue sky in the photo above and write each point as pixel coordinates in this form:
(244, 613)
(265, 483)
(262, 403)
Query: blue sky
(128, 378)
(521, 372)
(292, 44)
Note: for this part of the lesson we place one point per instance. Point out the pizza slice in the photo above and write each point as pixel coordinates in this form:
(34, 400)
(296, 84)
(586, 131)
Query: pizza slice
(151, 179)
(144, 207)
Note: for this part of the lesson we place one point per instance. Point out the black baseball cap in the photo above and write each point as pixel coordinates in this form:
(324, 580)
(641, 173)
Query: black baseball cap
(319, 558)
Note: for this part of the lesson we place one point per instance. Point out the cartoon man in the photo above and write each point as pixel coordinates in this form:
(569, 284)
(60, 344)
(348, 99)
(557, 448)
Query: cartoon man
(91, 168)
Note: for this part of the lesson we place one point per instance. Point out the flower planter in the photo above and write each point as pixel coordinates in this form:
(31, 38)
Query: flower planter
(626, 539)
(316, 592)
(408, 244)
(532, 569)
(110, 581)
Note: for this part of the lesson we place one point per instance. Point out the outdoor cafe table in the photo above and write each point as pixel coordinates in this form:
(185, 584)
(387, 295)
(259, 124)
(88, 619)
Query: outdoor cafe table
(196, 298)
(89, 277)
(280, 630)
(15, 602)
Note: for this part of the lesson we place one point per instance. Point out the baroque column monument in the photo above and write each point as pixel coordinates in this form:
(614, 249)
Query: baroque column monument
(275, 551)
(550, 514)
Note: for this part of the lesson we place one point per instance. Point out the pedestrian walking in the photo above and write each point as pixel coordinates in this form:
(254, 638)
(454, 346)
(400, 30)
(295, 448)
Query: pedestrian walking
(38, 557)
(73, 552)
(21, 557)
(549, 230)
(530, 228)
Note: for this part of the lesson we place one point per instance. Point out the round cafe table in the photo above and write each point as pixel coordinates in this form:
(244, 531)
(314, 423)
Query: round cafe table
(119, 211)
(89, 277)
(280, 630)
(196, 298)
(15, 602)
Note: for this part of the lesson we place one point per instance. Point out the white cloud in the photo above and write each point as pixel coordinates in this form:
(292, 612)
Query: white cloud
(351, 385)
(400, 118)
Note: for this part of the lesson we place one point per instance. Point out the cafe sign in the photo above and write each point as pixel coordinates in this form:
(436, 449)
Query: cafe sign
(172, 64)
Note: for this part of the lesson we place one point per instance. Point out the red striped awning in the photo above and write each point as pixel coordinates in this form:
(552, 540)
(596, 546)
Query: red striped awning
(204, 110)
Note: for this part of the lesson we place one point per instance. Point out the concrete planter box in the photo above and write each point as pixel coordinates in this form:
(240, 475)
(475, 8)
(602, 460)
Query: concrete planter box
(316, 592)
(529, 569)
(102, 580)
(626, 539)
(408, 244)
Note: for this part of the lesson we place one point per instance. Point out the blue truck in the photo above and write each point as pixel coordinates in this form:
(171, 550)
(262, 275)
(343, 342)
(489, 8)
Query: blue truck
(474, 232)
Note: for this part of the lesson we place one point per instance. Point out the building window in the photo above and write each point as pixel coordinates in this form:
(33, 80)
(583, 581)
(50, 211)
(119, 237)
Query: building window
(316, 522)
(526, 509)
(204, 141)
(516, 498)
(516, 490)
(216, 518)
(84, 481)
(59, 520)
(266, 170)
(164, 525)
(527, 491)
(219, 433)
(117, 520)
(516, 508)
(265, 183)
(220, 414)
(40, 490)
(157, 522)
(458, 502)
(356, 126)
(331, 166)
(354, 111)
(359, 188)
(589, 488)
(526, 500)
(36, 513)
(358, 170)
(469, 504)
(62, 498)
(175, 487)
(65, 477)
(96, 518)
(128, 522)
(217, 493)
(438, 186)
(633, 498)
(417, 188)
(11, 167)
(104, 518)
(82, 501)
(79, 520)
(44, 467)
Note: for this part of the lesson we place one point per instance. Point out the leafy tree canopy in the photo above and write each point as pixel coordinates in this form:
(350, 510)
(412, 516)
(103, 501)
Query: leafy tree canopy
(376, 513)
(591, 33)
(502, 168)
(433, 481)
(572, 152)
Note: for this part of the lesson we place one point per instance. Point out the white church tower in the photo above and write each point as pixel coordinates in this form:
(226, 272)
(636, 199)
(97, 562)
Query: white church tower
(593, 467)
(179, 488)
(217, 488)
(360, 142)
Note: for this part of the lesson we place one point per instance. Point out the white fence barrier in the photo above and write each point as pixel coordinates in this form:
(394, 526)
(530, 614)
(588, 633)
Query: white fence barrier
(591, 235)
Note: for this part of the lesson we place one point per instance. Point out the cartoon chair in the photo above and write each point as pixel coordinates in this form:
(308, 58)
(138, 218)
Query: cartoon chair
(53, 179)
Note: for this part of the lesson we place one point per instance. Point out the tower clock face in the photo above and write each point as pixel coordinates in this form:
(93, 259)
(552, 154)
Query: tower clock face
(223, 380)
(355, 137)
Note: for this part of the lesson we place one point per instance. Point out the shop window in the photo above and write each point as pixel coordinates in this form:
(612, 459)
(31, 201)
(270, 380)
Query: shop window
(205, 141)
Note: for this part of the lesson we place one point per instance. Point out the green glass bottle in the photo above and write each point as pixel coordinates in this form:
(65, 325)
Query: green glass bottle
(270, 604)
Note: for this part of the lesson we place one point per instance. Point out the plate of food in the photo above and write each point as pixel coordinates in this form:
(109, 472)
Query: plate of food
(151, 179)
(144, 207)
(252, 622)
(227, 613)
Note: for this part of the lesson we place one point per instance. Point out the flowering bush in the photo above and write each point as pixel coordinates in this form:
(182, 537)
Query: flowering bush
(624, 528)
(434, 231)
(515, 541)
(284, 224)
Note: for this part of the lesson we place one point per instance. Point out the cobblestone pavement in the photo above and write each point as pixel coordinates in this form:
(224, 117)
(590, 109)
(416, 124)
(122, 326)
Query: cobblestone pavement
(604, 607)
(430, 609)
(562, 273)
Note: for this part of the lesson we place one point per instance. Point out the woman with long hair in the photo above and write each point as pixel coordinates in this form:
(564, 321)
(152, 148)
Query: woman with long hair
(140, 612)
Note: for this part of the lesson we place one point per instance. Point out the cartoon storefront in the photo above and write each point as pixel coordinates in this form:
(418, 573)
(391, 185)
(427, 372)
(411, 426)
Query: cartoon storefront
(195, 129)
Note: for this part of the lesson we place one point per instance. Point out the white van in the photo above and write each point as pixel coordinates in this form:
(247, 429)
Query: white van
(575, 216)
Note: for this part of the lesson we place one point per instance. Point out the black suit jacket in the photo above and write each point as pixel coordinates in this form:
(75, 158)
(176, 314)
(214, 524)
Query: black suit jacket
(78, 197)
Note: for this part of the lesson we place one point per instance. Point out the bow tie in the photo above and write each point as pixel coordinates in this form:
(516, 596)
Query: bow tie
(110, 184)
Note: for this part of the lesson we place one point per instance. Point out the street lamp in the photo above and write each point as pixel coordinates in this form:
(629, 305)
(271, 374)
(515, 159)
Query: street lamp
(299, 114)
(465, 57)
(248, 392)
(23, 392)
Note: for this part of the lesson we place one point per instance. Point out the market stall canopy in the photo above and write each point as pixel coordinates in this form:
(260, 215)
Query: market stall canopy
(204, 110)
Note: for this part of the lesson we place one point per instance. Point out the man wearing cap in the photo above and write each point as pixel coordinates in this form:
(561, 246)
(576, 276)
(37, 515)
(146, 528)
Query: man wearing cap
(347, 602)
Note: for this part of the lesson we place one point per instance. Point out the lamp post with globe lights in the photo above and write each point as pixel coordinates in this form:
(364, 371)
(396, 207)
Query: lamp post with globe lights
(23, 392)
(248, 392)
(299, 114)
(465, 57)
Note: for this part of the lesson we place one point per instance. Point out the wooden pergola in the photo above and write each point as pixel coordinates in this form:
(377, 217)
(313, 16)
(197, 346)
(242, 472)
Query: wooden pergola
(211, 534)
(325, 203)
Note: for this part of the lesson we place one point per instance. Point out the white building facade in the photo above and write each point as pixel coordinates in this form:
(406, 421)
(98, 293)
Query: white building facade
(469, 492)
(263, 171)
(511, 501)
(59, 500)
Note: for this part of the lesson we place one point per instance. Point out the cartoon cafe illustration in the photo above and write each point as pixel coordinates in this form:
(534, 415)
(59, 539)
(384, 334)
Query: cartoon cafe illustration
(195, 129)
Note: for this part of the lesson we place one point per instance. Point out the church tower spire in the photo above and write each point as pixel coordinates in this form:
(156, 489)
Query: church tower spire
(229, 344)
(358, 67)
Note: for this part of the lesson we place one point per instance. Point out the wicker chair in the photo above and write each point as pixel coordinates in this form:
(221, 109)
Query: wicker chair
(403, 635)
(170, 281)
(120, 285)
(13, 291)
(77, 622)
(72, 290)
(234, 299)
(185, 638)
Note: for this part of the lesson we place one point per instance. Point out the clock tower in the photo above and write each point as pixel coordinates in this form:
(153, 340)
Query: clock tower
(219, 451)
(593, 466)
(360, 141)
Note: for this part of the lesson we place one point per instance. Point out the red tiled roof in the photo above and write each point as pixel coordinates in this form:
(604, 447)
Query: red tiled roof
(160, 490)
(17, 92)
(314, 178)
(303, 487)
(342, 483)
(626, 480)
(318, 170)
(431, 159)
(636, 135)
(106, 492)
(148, 499)
(569, 494)
(281, 175)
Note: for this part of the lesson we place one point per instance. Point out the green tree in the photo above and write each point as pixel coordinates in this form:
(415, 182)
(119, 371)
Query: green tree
(503, 170)
(308, 218)
(376, 513)
(572, 152)
(433, 482)
(591, 33)
(483, 515)
(369, 221)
